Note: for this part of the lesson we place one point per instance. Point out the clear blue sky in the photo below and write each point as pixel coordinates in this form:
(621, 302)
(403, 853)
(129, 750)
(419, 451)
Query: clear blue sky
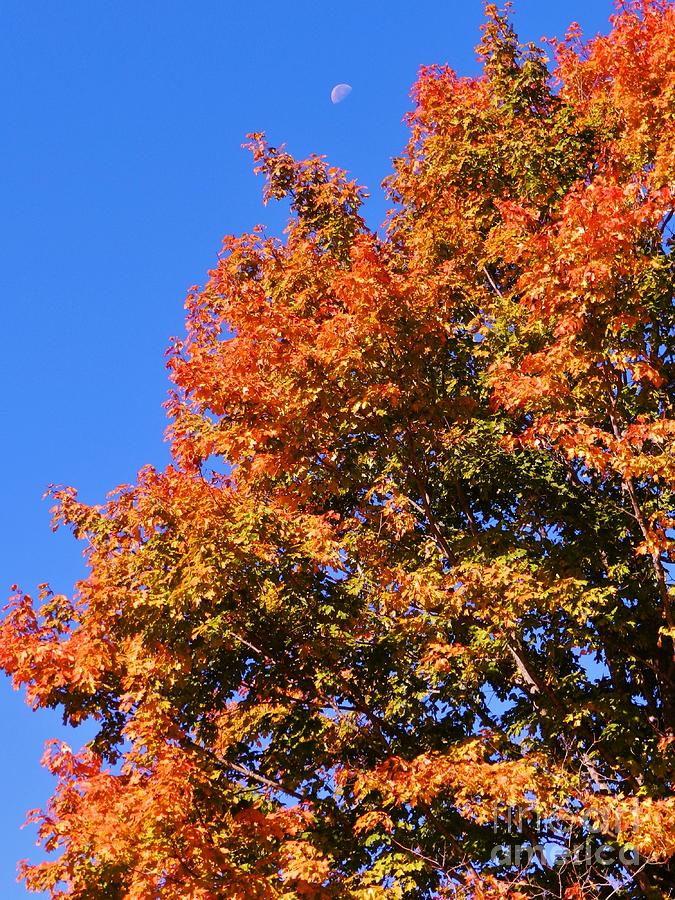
(122, 170)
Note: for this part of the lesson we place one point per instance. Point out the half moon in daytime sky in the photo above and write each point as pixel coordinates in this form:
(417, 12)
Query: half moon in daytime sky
(339, 92)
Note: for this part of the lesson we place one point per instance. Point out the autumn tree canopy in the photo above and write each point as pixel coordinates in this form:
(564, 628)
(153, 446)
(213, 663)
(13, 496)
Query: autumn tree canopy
(398, 620)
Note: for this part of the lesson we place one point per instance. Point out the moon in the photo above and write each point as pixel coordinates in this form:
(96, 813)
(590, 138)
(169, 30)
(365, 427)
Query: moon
(339, 92)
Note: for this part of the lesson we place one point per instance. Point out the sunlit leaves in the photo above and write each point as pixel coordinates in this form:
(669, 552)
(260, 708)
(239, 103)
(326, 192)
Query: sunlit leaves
(410, 566)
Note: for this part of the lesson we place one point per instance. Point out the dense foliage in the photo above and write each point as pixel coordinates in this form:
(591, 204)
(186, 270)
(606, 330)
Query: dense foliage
(398, 620)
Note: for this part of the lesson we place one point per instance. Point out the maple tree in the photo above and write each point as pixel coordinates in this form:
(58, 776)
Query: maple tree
(410, 567)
